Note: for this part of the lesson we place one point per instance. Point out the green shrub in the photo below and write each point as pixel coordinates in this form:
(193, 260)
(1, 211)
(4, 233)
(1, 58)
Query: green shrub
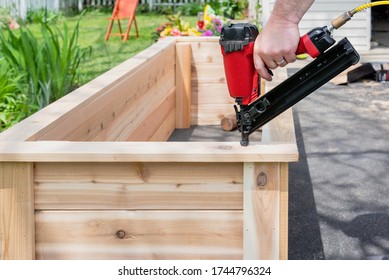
(49, 65)
(42, 15)
(164, 10)
(4, 16)
(13, 101)
(142, 8)
(190, 9)
(216, 5)
(234, 9)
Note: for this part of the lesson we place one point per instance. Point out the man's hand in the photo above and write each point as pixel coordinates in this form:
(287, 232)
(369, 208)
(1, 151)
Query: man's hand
(277, 43)
(275, 46)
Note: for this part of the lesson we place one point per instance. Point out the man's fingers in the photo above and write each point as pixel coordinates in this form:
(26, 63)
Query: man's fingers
(275, 62)
(261, 68)
(281, 62)
(290, 57)
(271, 62)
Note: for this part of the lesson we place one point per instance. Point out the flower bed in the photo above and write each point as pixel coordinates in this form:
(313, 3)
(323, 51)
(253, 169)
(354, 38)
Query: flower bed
(208, 24)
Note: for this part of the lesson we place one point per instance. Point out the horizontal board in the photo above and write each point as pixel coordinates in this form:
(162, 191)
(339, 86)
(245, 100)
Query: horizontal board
(144, 115)
(115, 196)
(136, 95)
(165, 129)
(354, 25)
(210, 114)
(144, 235)
(206, 52)
(322, 15)
(122, 172)
(138, 186)
(57, 151)
(149, 122)
(211, 94)
(197, 39)
(208, 73)
(332, 5)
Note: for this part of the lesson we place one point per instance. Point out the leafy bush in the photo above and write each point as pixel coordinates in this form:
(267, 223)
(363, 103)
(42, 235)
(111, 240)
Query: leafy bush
(234, 9)
(164, 10)
(13, 105)
(190, 9)
(142, 8)
(42, 16)
(4, 16)
(48, 65)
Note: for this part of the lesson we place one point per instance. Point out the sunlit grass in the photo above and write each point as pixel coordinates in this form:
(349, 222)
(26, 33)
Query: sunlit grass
(106, 55)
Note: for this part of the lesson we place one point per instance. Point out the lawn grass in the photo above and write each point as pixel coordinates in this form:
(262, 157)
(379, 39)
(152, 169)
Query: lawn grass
(106, 55)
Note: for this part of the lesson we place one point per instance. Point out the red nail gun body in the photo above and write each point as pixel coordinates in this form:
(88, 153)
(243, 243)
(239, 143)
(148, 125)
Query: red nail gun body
(237, 49)
(237, 45)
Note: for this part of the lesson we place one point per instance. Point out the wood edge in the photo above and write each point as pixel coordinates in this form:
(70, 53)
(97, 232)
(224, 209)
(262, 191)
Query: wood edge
(200, 39)
(284, 212)
(183, 84)
(64, 151)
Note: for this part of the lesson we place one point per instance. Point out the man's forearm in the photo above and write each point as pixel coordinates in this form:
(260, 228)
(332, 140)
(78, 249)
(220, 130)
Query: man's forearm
(291, 10)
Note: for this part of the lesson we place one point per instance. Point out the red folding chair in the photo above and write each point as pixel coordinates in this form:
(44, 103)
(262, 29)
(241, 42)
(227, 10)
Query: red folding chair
(124, 9)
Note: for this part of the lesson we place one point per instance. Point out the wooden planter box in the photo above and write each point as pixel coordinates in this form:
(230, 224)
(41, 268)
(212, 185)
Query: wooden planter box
(92, 177)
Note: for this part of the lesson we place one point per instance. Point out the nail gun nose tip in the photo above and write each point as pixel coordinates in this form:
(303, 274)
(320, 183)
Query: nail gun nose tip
(244, 143)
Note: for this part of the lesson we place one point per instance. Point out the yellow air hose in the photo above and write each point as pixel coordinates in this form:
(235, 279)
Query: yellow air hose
(342, 19)
(369, 5)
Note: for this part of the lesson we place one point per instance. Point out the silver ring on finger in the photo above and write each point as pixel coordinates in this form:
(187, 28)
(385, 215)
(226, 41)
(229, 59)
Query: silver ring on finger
(279, 63)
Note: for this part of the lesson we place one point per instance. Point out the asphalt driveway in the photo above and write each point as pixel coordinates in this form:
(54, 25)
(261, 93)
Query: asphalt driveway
(339, 190)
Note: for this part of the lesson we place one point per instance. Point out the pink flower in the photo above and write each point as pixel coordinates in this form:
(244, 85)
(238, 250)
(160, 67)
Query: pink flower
(175, 32)
(160, 28)
(217, 23)
(207, 33)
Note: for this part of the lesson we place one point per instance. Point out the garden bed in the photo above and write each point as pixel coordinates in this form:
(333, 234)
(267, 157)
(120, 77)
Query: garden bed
(92, 176)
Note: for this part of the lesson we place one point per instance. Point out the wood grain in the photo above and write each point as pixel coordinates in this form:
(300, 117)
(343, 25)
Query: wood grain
(17, 224)
(284, 202)
(280, 129)
(138, 186)
(210, 98)
(146, 235)
(261, 212)
(62, 151)
(183, 84)
(228, 122)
